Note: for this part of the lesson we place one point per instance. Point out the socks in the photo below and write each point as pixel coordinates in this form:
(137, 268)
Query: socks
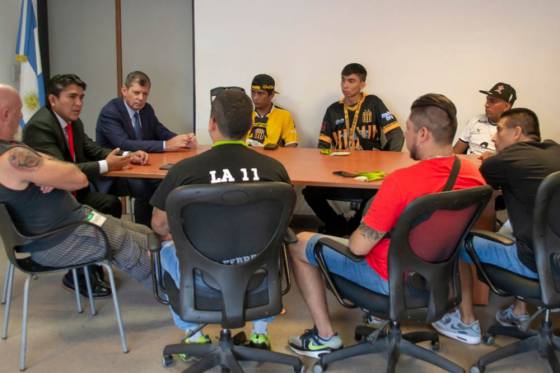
(260, 327)
(195, 336)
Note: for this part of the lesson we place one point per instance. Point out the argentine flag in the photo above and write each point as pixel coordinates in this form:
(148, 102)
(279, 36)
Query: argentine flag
(31, 84)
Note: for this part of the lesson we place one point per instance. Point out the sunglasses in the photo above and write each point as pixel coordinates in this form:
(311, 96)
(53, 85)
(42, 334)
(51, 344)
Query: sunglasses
(216, 91)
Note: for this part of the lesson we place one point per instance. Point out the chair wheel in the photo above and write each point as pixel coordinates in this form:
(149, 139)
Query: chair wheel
(488, 339)
(435, 345)
(167, 361)
(477, 369)
(319, 368)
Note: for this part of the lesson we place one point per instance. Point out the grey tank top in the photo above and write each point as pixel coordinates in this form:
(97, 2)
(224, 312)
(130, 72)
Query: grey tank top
(34, 212)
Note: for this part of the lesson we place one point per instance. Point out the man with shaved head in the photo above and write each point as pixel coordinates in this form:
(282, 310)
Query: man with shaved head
(36, 188)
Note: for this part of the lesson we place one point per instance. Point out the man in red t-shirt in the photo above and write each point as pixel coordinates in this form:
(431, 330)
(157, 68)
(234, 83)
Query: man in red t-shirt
(429, 133)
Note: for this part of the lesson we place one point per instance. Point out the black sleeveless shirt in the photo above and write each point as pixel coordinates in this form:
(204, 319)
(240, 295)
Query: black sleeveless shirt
(35, 212)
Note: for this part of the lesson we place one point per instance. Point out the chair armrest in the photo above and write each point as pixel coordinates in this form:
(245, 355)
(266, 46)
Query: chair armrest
(154, 248)
(476, 260)
(492, 236)
(341, 249)
(290, 237)
(153, 243)
(285, 264)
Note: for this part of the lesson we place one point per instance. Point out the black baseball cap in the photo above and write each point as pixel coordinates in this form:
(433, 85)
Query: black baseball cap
(263, 82)
(502, 91)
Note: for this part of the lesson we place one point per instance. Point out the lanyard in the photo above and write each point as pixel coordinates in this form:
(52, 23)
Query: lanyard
(350, 129)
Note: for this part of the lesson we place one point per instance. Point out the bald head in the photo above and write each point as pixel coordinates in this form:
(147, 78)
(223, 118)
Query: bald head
(7, 93)
(10, 112)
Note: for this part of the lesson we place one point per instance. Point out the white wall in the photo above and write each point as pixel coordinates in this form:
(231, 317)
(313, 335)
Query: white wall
(409, 48)
(9, 19)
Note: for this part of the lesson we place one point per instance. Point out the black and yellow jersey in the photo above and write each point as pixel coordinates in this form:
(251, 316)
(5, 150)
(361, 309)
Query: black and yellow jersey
(375, 127)
(276, 127)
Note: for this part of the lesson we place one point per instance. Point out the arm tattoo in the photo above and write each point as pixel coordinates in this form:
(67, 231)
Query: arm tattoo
(370, 234)
(24, 158)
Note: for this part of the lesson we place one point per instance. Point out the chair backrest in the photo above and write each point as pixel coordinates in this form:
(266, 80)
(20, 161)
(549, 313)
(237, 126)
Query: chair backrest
(424, 245)
(9, 235)
(226, 236)
(546, 239)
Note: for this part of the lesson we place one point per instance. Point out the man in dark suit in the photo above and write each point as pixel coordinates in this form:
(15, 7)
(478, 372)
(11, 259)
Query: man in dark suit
(130, 123)
(57, 130)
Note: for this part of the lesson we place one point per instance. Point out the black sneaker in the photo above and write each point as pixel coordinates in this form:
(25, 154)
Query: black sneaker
(260, 341)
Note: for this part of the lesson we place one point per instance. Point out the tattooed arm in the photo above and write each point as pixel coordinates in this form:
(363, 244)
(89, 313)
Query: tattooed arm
(363, 239)
(22, 165)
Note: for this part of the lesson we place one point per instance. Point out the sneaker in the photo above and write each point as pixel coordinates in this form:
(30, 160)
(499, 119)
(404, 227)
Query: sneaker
(506, 317)
(451, 326)
(310, 344)
(260, 341)
(203, 339)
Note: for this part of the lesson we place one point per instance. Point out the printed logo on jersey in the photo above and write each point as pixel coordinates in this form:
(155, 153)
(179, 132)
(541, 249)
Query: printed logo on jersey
(225, 176)
(387, 116)
(367, 116)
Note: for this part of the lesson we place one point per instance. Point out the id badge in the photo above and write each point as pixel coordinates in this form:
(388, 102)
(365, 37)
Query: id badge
(95, 218)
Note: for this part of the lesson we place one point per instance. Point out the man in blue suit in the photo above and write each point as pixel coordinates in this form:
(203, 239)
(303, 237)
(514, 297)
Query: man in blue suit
(130, 123)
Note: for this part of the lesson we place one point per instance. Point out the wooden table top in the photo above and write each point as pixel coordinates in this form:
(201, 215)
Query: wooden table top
(306, 166)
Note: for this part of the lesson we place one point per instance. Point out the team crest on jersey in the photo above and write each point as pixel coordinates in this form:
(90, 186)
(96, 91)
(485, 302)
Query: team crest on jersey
(387, 116)
(367, 116)
(339, 121)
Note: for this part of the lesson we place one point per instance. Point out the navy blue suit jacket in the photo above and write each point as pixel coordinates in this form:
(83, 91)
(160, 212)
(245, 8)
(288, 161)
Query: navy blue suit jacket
(114, 129)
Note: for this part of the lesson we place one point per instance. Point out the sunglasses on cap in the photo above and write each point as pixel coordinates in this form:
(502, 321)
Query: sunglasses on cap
(216, 91)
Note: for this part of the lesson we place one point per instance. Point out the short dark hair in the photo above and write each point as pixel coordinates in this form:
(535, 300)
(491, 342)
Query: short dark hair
(438, 114)
(59, 82)
(524, 118)
(355, 68)
(137, 77)
(232, 109)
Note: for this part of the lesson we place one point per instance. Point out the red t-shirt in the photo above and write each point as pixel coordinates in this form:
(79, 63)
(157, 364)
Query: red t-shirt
(402, 187)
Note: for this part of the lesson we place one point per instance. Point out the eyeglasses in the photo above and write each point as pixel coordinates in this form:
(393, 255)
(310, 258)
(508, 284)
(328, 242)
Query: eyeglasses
(216, 91)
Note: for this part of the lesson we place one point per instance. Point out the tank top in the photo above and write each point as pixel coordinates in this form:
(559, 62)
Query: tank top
(34, 212)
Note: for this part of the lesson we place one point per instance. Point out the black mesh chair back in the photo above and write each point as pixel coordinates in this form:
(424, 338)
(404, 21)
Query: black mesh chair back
(424, 249)
(546, 239)
(228, 239)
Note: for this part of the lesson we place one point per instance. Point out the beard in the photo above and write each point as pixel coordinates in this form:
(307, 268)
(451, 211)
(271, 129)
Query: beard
(414, 152)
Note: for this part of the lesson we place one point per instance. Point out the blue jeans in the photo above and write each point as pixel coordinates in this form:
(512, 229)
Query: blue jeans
(503, 256)
(358, 272)
(170, 264)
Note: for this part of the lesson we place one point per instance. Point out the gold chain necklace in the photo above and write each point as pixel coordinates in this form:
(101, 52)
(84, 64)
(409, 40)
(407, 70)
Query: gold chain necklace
(351, 129)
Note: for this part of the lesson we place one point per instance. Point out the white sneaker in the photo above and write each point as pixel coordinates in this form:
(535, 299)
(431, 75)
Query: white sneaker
(452, 326)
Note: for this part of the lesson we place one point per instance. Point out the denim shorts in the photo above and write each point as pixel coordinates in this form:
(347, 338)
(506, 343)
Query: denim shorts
(358, 272)
(503, 256)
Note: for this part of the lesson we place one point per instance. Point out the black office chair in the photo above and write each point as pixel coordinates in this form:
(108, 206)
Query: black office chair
(423, 277)
(13, 241)
(229, 239)
(544, 292)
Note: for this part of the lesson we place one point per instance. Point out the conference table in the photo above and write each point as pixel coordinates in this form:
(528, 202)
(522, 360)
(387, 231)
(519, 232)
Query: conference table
(307, 166)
